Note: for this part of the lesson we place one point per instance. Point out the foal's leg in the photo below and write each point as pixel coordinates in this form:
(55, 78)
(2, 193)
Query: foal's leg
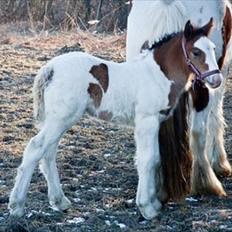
(217, 155)
(56, 196)
(160, 189)
(35, 150)
(147, 160)
(204, 180)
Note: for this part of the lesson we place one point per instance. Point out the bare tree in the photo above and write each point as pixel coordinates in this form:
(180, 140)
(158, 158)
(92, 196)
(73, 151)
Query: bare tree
(87, 9)
(60, 13)
(98, 16)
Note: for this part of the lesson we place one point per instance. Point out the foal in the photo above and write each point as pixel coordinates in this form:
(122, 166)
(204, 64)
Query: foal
(74, 83)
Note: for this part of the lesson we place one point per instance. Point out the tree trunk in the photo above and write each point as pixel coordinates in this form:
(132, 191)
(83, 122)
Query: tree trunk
(98, 16)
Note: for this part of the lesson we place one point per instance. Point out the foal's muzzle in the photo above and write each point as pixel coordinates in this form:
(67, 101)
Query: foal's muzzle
(214, 81)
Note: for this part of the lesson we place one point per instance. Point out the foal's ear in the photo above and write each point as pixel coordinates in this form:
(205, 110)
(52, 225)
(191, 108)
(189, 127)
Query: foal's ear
(208, 27)
(188, 30)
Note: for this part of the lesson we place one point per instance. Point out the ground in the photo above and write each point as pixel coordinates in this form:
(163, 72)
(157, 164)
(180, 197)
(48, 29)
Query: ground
(95, 158)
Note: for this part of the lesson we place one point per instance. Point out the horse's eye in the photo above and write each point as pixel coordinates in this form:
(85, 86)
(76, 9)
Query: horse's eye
(196, 52)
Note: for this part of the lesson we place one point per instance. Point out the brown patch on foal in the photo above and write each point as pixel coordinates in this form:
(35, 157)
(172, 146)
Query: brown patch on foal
(170, 67)
(226, 35)
(95, 93)
(100, 72)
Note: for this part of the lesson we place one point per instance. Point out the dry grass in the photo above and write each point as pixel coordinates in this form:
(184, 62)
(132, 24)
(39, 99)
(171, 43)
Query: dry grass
(110, 46)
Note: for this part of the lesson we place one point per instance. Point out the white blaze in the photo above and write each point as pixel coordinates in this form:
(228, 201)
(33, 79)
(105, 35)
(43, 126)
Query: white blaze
(208, 47)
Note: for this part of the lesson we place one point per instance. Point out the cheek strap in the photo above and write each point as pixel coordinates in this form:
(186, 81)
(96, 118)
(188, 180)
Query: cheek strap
(194, 69)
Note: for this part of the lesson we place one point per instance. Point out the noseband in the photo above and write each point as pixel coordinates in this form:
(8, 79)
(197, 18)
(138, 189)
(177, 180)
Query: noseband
(198, 75)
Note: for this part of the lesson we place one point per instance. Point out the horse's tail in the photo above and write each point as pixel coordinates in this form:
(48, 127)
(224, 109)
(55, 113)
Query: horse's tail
(41, 81)
(176, 157)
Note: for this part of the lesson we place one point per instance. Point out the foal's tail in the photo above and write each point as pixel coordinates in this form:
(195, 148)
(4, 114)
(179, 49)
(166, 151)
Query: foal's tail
(175, 153)
(41, 81)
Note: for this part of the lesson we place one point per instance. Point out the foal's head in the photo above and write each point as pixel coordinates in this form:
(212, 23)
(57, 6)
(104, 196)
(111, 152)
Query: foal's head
(189, 52)
(199, 54)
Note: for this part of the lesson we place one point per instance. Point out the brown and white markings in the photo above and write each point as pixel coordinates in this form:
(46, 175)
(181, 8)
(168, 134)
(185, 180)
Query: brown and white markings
(136, 91)
(151, 20)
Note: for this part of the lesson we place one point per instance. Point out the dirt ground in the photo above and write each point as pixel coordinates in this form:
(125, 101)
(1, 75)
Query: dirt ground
(95, 158)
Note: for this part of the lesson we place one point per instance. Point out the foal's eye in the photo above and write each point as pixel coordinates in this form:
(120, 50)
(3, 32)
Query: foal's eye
(196, 52)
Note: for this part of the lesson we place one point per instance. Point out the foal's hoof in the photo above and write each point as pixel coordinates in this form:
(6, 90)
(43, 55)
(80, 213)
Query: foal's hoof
(162, 196)
(60, 204)
(15, 210)
(151, 210)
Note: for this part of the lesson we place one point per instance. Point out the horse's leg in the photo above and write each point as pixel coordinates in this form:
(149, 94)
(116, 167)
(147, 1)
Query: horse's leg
(204, 180)
(147, 160)
(48, 167)
(35, 150)
(217, 155)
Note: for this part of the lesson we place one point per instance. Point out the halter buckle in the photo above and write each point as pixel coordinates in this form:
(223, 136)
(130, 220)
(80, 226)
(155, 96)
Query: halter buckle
(188, 61)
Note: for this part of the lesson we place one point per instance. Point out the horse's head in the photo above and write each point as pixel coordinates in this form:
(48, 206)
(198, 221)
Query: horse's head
(199, 52)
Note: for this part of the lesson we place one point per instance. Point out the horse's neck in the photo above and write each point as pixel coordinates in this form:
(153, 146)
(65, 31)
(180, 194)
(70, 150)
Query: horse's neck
(200, 11)
(171, 61)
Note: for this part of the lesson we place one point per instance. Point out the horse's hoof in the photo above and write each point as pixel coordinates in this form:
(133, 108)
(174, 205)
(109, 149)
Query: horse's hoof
(151, 210)
(223, 168)
(60, 204)
(214, 188)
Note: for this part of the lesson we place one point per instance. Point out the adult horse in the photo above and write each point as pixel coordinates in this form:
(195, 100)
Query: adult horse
(156, 18)
(74, 83)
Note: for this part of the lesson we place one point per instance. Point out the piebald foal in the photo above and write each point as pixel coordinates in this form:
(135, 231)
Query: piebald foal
(74, 83)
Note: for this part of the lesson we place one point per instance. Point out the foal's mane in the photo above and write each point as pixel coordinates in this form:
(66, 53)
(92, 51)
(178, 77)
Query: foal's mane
(198, 31)
(165, 39)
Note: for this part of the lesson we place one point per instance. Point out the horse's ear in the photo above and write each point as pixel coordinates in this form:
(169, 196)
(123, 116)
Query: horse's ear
(208, 27)
(188, 30)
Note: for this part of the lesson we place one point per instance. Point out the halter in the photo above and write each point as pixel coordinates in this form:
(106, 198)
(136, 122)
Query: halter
(198, 75)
